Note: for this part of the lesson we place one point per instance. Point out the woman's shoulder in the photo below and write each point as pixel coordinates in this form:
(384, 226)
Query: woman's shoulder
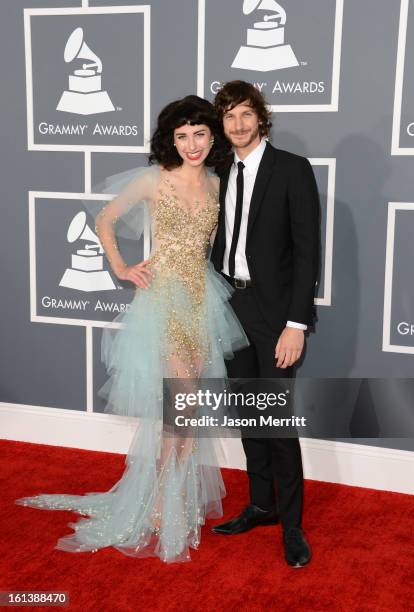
(149, 175)
(144, 181)
(140, 181)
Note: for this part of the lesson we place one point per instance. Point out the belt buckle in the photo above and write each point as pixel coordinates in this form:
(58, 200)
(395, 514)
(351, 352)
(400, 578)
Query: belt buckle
(239, 283)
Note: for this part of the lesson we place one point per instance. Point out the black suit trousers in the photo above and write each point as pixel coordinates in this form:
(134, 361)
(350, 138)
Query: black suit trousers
(274, 466)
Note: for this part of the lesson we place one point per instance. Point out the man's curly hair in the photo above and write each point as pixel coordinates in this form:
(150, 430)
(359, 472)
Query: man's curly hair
(236, 92)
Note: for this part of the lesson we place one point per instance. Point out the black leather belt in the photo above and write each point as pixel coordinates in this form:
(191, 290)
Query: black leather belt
(238, 283)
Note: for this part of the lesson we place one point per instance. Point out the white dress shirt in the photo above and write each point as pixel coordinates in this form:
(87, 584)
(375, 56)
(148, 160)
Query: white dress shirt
(251, 166)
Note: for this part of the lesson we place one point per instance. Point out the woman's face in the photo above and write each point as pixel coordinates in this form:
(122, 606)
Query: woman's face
(193, 143)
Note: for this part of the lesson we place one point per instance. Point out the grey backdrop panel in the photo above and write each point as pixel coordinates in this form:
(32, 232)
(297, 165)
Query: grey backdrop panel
(44, 364)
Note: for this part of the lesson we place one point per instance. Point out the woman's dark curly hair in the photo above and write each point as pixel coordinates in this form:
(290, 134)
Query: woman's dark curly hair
(190, 110)
(236, 92)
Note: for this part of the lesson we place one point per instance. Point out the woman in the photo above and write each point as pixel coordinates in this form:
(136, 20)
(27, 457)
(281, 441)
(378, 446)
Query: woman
(179, 326)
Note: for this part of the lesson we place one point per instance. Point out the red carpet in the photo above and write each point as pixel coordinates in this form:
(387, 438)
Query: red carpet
(363, 545)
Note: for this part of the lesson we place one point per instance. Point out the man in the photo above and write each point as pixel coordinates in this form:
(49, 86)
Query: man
(267, 247)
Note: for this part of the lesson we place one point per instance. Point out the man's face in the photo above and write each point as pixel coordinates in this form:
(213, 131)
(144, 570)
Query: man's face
(241, 126)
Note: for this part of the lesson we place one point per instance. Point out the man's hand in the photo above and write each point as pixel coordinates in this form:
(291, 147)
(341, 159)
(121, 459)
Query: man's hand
(289, 347)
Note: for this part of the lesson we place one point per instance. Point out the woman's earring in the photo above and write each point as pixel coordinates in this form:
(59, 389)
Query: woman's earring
(211, 141)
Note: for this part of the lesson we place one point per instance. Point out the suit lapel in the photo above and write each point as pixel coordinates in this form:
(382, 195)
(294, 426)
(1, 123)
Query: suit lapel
(264, 172)
(224, 180)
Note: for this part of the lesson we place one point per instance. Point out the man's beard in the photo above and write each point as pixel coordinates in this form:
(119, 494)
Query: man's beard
(252, 137)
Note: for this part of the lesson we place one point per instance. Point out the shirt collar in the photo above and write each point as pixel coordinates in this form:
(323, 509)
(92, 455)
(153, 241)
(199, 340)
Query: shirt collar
(252, 161)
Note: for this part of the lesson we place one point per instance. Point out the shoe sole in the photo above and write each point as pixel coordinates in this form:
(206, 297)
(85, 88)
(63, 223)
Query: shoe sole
(298, 565)
(276, 522)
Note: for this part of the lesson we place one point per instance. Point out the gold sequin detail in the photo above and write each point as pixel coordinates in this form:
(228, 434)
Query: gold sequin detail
(180, 263)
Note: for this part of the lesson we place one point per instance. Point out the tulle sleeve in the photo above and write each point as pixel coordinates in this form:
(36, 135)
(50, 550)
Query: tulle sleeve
(128, 213)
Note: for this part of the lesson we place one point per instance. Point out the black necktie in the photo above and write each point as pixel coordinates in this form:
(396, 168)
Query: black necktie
(237, 219)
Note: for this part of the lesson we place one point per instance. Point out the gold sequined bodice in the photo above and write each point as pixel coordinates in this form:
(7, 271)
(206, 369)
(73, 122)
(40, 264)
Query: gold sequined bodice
(181, 239)
(179, 261)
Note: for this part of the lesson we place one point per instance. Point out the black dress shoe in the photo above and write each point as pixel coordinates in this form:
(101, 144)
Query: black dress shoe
(297, 549)
(252, 516)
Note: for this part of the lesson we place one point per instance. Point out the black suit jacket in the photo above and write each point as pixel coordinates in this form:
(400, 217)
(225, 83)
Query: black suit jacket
(283, 245)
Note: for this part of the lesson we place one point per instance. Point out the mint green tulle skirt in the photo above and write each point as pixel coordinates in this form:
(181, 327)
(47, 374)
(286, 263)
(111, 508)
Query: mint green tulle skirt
(170, 484)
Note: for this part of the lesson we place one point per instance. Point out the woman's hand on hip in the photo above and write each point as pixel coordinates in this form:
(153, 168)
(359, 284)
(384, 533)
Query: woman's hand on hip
(138, 274)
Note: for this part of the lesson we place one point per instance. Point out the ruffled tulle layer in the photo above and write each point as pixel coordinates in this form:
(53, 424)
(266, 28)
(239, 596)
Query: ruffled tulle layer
(170, 484)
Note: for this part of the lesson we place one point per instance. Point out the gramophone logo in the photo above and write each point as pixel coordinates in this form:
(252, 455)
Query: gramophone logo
(86, 273)
(84, 95)
(266, 49)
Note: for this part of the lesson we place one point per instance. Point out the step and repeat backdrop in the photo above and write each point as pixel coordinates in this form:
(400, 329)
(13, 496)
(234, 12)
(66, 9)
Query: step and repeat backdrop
(83, 83)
